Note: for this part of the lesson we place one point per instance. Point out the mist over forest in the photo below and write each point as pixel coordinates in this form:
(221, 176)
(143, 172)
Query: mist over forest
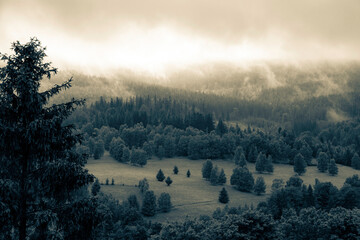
(172, 120)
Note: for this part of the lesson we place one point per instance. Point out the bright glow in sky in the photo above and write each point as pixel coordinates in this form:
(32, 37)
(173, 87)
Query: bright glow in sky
(154, 35)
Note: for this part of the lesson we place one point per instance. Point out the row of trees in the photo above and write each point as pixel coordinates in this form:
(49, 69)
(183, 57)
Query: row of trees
(243, 145)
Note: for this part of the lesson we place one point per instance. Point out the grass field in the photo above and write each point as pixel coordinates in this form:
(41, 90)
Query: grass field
(193, 196)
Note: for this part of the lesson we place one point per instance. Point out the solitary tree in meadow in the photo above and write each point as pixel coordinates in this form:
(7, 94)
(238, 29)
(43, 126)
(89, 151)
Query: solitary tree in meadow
(160, 176)
(168, 181)
(299, 164)
(223, 196)
(176, 170)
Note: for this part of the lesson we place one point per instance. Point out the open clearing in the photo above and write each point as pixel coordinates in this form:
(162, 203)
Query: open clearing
(193, 196)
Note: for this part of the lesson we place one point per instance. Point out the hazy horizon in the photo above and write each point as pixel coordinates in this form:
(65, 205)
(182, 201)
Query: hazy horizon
(154, 36)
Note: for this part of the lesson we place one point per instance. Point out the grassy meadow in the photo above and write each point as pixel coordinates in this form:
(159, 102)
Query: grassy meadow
(193, 196)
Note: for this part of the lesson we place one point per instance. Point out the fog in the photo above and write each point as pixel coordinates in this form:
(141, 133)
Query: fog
(153, 36)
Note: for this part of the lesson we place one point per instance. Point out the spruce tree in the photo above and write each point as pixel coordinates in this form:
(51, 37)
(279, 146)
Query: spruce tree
(176, 170)
(253, 154)
(214, 176)
(323, 162)
(160, 176)
(238, 151)
(259, 186)
(149, 204)
(39, 165)
(299, 164)
(168, 181)
(206, 169)
(143, 185)
(164, 202)
(260, 162)
(355, 161)
(223, 196)
(221, 180)
(333, 169)
(242, 179)
(188, 173)
(269, 167)
(242, 160)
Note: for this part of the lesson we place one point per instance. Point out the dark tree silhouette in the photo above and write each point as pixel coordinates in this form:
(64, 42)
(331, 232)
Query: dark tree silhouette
(160, 176)
(38, 165)
(299, 164)
(168, 181)
(223, 196)
(95, 189)
(176, 170)
(333, 169)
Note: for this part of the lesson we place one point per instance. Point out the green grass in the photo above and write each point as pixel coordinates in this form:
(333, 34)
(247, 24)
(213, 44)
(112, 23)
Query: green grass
(194, 196)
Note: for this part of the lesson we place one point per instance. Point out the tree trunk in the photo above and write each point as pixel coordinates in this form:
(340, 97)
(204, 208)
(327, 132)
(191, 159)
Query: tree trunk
(23, 196)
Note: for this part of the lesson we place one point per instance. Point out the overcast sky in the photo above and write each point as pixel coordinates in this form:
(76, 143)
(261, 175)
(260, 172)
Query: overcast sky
(151, 35)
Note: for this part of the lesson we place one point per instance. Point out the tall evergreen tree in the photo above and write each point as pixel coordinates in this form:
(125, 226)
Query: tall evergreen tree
(164, 202)
(143, 185)
(242, 179)
(160, 176)
(253, 154)
(299, 164)
(269, 167)
(149, 204)
(176, 170)
(333, 169)
(260, 162)
(214, 176)
(221, 178)
(221, 128)
(238, 151)
(206, 169)
(259, 186)
(38, 165)
(223, 196)
(242, 160)
(323, 162)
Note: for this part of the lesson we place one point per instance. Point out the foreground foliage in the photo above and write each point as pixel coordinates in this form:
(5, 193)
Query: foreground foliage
(39, 169)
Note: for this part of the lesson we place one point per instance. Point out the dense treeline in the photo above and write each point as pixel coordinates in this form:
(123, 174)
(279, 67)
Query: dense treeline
(339, 142)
